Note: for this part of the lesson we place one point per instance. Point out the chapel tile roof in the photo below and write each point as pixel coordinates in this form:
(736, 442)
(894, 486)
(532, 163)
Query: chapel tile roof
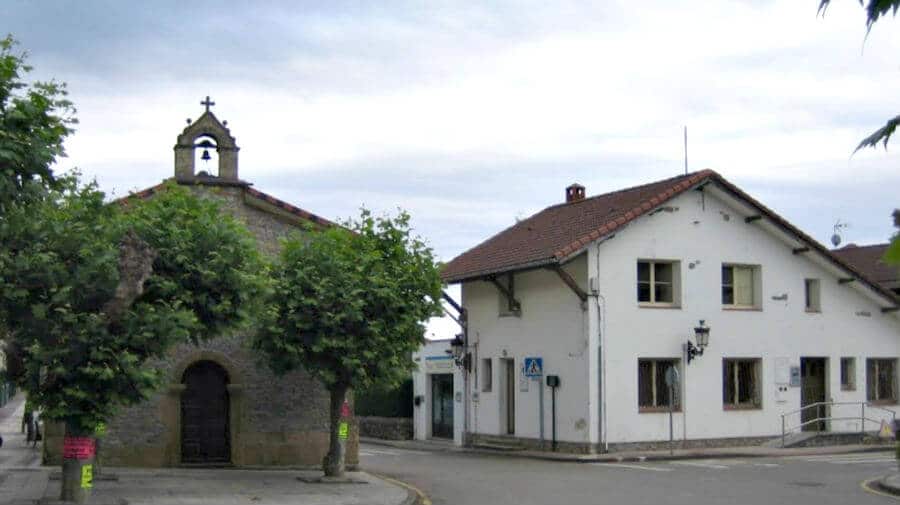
(248, 191)
(868, 260)
(562, 231)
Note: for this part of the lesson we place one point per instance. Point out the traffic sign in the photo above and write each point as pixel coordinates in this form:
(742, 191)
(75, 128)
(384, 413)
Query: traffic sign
(534, 367)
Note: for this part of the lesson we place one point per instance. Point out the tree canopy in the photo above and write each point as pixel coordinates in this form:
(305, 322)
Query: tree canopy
(349, 306)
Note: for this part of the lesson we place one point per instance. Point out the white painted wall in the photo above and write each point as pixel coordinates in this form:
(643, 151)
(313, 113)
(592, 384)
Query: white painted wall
(553, 326)
(700, 229)
(422, 387)
(705, 232)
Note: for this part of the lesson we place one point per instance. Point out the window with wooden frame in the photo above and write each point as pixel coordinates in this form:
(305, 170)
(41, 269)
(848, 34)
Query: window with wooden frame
(658, 283)
(881, 380)
(741, 379)
(813, 297)
(653, 393)
(487, 375)
(740, 286)
(848, 374)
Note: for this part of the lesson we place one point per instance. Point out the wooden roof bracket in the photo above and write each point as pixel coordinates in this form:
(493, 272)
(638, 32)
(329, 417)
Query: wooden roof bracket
(462, 319)
(800, 250)
(750, 219)
(566, 278)
(887, 310)
(846, 280)
(508, 292)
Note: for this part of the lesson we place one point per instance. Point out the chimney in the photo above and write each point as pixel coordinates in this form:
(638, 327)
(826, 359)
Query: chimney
(574, 193)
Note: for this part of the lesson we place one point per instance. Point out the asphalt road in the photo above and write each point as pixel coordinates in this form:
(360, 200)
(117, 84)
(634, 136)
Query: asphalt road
(472, 479)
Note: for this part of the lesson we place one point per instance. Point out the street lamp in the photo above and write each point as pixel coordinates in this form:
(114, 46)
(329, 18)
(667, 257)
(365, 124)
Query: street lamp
(459, 352)
(701, 335)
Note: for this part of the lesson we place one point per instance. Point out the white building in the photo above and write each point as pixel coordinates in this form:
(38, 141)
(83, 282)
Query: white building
(608, 291)
(437, 394)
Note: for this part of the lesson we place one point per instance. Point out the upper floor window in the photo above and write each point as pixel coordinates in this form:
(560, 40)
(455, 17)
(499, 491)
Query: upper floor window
(811, 291)
(658, 282)
(740, 286)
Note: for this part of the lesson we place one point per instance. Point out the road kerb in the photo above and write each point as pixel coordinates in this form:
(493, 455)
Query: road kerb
(875, 486)
(417, 496)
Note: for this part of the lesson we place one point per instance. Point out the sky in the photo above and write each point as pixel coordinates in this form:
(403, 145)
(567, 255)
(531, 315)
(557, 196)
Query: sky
(473, 115)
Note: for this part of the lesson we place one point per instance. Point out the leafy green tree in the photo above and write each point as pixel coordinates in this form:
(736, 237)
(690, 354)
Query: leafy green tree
(35, 119)
(90, 291)
(349, 306)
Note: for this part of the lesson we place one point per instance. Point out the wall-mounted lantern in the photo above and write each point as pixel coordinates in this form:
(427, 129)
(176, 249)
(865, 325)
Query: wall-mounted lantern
(460, 354)
(701, 335)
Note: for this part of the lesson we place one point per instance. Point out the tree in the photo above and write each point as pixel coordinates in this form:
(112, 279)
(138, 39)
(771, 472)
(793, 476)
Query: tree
(91, 291)
(34, 121)
(349, 306)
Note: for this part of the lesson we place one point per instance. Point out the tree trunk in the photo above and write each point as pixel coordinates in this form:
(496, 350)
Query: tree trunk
(78, 460)
(333, 464)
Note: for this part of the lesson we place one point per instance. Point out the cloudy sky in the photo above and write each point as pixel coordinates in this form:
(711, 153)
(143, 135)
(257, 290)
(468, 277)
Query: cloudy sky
(471, 115)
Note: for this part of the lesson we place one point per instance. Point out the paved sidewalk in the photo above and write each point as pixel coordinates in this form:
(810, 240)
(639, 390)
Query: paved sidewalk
(635, 456)
(181, 486)
(23, 481)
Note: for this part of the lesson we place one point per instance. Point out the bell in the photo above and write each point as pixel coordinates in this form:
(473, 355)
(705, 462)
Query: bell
(205, 156)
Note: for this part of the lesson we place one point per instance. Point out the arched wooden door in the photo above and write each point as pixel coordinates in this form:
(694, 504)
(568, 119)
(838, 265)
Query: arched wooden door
(204, 414)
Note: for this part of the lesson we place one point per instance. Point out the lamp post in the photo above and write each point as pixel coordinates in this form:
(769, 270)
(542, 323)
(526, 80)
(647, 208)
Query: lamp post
(461, 356)
(701, 335)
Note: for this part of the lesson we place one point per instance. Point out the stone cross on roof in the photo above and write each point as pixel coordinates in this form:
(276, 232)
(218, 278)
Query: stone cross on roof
(208, 103)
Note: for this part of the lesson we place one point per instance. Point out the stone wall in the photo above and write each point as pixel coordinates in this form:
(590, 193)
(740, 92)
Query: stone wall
(386, 428)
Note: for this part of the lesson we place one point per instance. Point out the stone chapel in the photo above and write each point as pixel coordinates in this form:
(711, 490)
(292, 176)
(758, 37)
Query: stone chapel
(220, 404)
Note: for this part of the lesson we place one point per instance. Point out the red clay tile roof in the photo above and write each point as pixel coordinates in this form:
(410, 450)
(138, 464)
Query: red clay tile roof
(259, 195)
(868, 260)
(557, 233)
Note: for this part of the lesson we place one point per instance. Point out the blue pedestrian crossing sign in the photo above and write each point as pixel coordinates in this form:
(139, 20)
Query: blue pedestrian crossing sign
(534, 367)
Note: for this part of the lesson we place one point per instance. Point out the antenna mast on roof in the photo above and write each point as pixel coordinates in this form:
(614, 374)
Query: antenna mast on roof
(685, 151)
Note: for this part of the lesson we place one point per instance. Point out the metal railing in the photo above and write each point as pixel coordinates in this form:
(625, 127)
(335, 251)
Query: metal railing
(861, 417)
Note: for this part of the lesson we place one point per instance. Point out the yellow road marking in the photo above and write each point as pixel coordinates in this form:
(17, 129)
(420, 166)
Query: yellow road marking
(423, 498)
(866, 486)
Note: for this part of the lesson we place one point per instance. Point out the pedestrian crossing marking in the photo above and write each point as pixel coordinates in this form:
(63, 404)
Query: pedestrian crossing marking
(634, 467)
(701, 464)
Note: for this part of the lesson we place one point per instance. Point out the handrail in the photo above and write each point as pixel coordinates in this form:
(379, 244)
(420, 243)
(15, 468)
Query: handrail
(862, 417)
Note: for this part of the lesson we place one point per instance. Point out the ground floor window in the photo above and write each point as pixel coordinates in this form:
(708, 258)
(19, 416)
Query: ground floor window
(848, 374)
(881, 380)
(653, 393)
(740, 383)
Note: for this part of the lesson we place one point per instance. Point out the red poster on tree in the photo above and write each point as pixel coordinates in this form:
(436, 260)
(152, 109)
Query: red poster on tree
(78, 448)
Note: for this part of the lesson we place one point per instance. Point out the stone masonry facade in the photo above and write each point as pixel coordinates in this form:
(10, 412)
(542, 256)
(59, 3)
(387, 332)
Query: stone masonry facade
(273, 420)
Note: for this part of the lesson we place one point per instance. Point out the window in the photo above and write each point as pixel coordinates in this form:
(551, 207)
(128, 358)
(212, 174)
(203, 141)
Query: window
(740, 383)
(658, 282)
(812, 295)
(881, 380)
(848, 374)
(487, 375)
(739, 286)
(653, 393)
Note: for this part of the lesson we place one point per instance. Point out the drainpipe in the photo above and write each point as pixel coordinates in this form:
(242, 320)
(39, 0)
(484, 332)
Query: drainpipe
(601, 351)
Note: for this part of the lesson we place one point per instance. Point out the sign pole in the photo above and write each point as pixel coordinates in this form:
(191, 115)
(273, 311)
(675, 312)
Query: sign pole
(671, 424)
